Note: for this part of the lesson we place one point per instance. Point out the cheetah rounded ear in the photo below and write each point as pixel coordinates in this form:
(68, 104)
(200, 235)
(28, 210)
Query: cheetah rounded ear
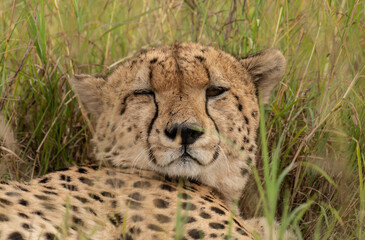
(89, 90)
(266, 68)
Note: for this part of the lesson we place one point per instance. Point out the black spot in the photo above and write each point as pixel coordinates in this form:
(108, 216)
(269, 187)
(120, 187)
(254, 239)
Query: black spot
(136, 196)
(190, 220)
(74, 208)
(224, 208)
(239, 106)
(218, 210)
(114, 204)
(167, 188)
(87, 181)
(213, 235)
(155, 228)
(50, 236)
(65, 178)
(39, 213)
(26, 226)
(191, 188)
(77, 221)
(246, 120)
(15, 236)
(200, 58)
(48, 206)
(127, 237)
(188, 206)
(6, 202)
(122, 111)
(23, 202)
(135, 230)
(108, 194)
(107, 149)
(162, 218)
(244, 172)
(50, 192)
(242, 148)
(114, 182)
(246, 140)
(153, 61)
(249, 161)
(44, 180)
(69, 187)
(196, 234)
(235, 220)
(42, 197)
(129, 129)
(185, 196)
(23, 189)
(81, 199)
(3, 218)
(116, 219)
(240, 231)
(254, 114)
(48, 187)
(133, 204)
(137, 218)
(159, 203)
(23, 215)
(82, 170)
(205, 215)
(216, 225)
(142, 184)
(206, 198)
(12, 194)
(96, 197)
(91, 211)
(251, 149)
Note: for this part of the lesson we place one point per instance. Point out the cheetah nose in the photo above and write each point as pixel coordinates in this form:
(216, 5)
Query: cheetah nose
(189, 133)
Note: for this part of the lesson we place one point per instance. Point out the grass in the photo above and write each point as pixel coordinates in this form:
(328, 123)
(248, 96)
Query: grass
(312, 169)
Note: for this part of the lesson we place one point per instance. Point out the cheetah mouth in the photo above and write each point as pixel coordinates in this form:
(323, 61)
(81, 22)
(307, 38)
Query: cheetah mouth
(187, 157)
(184, 157)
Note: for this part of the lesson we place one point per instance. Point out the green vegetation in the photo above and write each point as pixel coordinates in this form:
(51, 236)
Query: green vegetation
(312, 170)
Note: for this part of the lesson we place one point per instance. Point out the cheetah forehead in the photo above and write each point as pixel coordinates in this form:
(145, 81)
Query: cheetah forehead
(178, 67)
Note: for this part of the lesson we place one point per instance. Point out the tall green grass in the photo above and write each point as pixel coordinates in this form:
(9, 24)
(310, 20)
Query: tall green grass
(312, 165)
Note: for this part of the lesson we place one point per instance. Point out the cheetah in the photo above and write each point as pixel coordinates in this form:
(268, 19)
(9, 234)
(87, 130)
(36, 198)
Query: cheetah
(185, 112)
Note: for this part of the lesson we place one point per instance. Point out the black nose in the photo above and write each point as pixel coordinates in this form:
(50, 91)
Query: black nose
(189, 133)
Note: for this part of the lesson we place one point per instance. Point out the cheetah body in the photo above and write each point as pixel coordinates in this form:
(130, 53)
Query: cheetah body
(109, 203)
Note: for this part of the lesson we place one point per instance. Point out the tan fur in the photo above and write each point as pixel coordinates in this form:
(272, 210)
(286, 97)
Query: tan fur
(185, 110)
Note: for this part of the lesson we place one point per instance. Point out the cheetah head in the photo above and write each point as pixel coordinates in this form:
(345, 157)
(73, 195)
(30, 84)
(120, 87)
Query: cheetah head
(183, 110)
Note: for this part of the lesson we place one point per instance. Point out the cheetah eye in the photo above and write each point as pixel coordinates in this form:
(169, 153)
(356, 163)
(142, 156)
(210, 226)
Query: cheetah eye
(214, 91)
(143, 92)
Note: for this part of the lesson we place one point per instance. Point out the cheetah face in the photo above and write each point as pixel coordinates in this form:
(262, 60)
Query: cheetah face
(183, 110)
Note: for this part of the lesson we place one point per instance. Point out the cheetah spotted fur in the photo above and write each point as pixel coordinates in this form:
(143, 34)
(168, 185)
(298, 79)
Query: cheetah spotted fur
(184, 111)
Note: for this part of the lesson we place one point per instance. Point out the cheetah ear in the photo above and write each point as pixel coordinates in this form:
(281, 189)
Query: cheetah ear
(266, 68)
(89, 90)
